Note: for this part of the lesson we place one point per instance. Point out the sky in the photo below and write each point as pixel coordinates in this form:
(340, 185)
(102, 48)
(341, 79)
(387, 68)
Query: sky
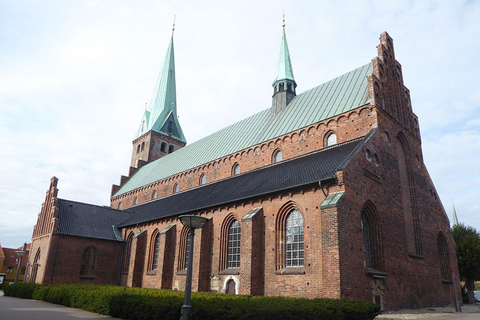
(75, 77)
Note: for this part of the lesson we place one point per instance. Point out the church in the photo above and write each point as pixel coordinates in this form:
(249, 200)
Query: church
(322, 194)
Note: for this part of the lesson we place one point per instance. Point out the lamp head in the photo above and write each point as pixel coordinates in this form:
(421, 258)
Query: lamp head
(193, 222)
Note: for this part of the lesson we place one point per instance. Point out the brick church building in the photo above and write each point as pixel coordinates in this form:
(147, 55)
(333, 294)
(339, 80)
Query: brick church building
(322, 194)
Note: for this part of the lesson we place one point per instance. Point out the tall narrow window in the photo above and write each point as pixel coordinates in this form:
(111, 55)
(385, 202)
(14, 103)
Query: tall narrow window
(170, 148)
(163, 147)
(183, 249)
(156, 248)
(176, 188)
(127, 252)
(89, 260)
(372, 237)
(154, 195)
(277, 156)
(233, 246)
(120, 205)
(367, 241)
(138, 149)
(143, 146)
(443, 257)
(135, 201)
(294, 250)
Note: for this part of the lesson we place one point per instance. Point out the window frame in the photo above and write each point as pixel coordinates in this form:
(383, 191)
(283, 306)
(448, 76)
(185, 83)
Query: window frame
(277, 156)
(89, 262)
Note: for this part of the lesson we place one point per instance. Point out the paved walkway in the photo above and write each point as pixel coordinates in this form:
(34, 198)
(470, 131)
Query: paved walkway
(469, 312)
(26, 309)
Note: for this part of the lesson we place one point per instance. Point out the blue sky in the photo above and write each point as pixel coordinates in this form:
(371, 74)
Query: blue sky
(75, 77)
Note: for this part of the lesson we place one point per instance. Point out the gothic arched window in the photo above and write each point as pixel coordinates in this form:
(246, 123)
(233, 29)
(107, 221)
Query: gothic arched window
(89, 259)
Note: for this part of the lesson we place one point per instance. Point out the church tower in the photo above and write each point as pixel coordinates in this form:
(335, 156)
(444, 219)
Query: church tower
(160, 133)
(284, 84)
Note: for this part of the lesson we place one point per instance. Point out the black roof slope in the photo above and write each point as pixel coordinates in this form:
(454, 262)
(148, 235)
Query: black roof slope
(300, 171)
(87, 220)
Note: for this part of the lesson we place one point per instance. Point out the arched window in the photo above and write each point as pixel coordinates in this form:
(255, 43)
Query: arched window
(89, 260)
(233, 245)
(183, 248)
(35, 266)
(277, 156)
(412, 226)
(294, 253)
(155, 247)
(444, 258)
(163, 147)
(331, 139)
(135, 201)
(235, 169)
(154, 195)
(372, 237)
(127, 252)
(143, 145)
(138, 149)
(176, 188)
(203, 179)
(171, 148)
(120, 205)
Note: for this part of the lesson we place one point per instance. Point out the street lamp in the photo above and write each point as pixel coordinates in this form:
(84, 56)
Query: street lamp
(192, 222)
(21, 254)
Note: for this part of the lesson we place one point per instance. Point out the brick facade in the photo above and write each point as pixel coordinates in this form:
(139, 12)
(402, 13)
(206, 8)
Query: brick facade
(378, 241)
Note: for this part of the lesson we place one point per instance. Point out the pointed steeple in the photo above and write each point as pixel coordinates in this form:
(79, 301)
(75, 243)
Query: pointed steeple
(160, 132)
(455, 218)
(284, 84)
(161, 114)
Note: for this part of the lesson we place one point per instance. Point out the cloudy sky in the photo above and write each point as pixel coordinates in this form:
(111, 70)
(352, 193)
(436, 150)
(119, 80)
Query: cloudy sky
(75, 77)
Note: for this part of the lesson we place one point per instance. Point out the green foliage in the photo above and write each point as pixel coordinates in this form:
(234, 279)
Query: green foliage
(143, 304)
(20, 290)
(467, 241)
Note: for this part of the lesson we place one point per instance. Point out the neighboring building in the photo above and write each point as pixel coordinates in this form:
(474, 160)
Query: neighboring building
(9, 264)
(324, 194)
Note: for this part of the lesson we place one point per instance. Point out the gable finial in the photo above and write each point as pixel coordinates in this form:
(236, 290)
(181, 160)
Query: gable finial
(283, 24)
(174, 19)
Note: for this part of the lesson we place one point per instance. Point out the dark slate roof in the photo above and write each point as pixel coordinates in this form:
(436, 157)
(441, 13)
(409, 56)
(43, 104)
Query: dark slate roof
(87, 220)
(285, 175)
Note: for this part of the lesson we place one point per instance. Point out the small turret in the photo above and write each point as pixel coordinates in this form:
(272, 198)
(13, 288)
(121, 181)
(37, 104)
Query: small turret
(284, 84)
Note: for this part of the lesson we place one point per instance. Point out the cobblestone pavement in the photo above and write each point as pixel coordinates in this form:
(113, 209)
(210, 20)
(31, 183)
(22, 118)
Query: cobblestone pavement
(469, 312)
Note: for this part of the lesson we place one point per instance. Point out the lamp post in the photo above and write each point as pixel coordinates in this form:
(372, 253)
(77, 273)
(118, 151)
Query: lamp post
(192, 222)
(21, 254)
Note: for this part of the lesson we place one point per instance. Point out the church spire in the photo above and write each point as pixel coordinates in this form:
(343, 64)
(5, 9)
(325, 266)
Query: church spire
(455, 218)
(161, 114)
(284, 84)
(160, 132)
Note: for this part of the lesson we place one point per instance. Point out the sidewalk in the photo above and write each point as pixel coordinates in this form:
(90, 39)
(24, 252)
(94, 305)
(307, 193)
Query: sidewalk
(22, 309)
(469, 312)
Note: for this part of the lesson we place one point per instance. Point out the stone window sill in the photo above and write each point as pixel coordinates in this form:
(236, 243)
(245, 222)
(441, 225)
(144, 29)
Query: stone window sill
(151, 272)
(291, 270)
(375, 273)
(415, 256)
(230, 271)
(446, 281)
(182, 272)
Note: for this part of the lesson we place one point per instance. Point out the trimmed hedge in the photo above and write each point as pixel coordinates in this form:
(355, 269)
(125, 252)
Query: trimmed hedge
(143, 304)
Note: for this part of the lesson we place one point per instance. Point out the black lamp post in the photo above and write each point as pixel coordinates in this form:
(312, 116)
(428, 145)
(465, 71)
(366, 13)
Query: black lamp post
(21, 254)
(192, 222)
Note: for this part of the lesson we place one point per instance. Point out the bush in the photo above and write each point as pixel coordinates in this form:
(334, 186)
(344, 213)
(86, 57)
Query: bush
(143, 304)
(20, 290)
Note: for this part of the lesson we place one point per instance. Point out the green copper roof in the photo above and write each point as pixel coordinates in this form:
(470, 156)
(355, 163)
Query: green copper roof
(161, 114)
(284, 68)
(334, 97)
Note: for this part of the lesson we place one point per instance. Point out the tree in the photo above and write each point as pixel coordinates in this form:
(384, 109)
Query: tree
(467, 241)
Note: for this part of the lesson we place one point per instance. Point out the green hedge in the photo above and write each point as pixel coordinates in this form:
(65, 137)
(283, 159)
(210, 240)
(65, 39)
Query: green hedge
(143, 304)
